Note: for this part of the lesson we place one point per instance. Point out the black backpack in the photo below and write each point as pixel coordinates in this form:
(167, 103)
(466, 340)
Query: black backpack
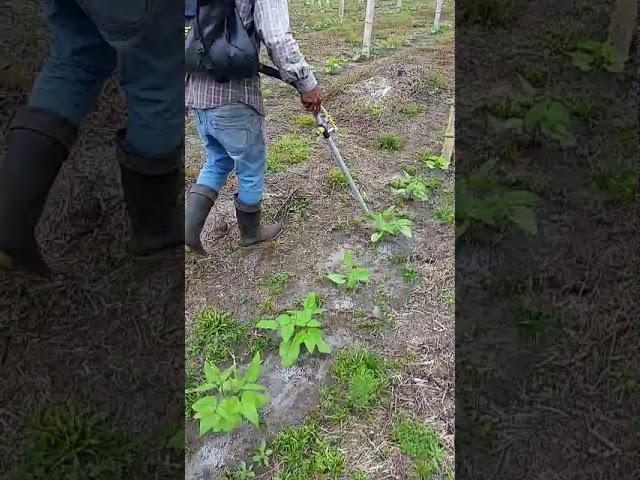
(218, 43)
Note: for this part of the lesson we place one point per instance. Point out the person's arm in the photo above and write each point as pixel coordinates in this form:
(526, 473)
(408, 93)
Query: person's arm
(271, 19)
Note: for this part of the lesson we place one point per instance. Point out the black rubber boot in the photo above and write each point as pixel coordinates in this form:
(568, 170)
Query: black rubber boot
(38, 144)
(201, 199)
(152, 187)
(251, 232)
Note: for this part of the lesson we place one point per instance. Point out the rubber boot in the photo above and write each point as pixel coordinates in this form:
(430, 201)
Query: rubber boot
(38, 143)
(251, 232)
(201, 199)
(152, 187)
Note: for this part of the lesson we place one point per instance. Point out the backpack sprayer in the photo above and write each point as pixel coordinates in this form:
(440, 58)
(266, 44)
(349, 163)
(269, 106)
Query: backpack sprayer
(326, 126)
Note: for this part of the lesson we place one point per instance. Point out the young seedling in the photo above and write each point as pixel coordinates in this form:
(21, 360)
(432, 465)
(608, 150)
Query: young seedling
(333, 65)
(388, 222)
(263, 455)
(480, 199)
(297, 328)
(234, 397)
(599, 56)
(244, 472)
(410, 187)
(389, 141)
(351, 274)
(434, 162)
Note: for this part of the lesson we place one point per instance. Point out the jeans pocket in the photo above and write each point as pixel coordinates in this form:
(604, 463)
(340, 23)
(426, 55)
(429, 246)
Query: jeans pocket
(233, 138)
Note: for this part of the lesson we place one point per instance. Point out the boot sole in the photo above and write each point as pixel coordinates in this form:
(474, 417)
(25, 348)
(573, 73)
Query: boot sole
(255, 244)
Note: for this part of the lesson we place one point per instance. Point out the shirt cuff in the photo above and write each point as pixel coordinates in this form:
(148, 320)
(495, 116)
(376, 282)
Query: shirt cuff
(306, 84)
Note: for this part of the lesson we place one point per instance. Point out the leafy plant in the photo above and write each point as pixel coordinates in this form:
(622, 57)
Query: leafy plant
(392, 42)
(213, 335)
(336, 178)
(599, 56)
(534, 114)
(333, 65)
(389, 141)
(434, 161)
(410, 186)
(388, 222)
(372, 108)
(263, 455)
(276, 281)
(482, 200)
(234, 397)
(305, 120)
(351, 273)
(297, 328)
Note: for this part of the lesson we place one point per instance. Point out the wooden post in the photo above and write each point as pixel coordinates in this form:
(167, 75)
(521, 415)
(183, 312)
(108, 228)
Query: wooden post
(436, 20)
(341, 10)
(623, 26)
(449, 137)
(368, 28)
(398, 4)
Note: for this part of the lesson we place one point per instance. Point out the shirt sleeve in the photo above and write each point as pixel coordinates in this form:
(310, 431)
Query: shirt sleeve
(272, 24)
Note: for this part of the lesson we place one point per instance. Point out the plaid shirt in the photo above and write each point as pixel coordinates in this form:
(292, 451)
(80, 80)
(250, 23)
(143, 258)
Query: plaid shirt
(271, 20)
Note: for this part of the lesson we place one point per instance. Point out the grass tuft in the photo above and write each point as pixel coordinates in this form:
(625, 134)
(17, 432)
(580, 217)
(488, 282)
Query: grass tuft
(389, 141)
(289, 150)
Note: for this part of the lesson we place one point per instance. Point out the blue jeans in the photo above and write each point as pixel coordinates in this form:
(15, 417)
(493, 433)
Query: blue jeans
(90, 43)
(233, 138)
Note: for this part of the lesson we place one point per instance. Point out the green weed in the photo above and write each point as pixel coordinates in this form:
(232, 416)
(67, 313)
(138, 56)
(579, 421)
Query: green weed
(65, 441)
(437, 79)
(411, 110)
(276, 282)
(306, 453)
(444, 215)
(297, 328)
(214, 335)
(351, 274)
(449, 298)
(389, 141)
(410, 274)
(243, 472)
(336, 178)
(531, 324)
(289, 150)
(304, 120)
(417, 441)
(393, 41)
(620, 184)
(371, 108)
(263, 455)
(489, 13)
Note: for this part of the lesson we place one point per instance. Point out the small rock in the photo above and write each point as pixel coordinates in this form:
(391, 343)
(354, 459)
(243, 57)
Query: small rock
(377, 313)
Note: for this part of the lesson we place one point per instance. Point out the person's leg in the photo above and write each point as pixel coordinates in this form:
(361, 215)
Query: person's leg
(42, 133)
(213, 175)
(151, 154)
(239, 129)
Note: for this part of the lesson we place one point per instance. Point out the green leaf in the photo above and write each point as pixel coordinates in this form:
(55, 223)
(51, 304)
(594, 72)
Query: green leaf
(376, 236)
(323, 347)
(254, 369)
(347, 258)
(525, 218)
(208, 421)
(287, 332)
(267, 324)
(302, 337)
(314, 323)
(290, 354)
(202, 388)
(248, 410)
(311, 301)
(256, 399)
(284, 319)
(212, 373)
(337, 278)
(406, 231)
(204, 404)
(253, 387)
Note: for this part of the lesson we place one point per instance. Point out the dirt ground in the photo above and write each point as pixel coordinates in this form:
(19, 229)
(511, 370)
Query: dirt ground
(409, 322)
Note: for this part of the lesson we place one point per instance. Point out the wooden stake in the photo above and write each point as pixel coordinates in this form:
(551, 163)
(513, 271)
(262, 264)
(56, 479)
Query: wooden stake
(623, 26)
(368, 28)
(341, 10)
(436, 20)
(449, 137)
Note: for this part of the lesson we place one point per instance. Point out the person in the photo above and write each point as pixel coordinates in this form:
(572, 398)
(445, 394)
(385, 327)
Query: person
(140, 39)
(229, 118)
